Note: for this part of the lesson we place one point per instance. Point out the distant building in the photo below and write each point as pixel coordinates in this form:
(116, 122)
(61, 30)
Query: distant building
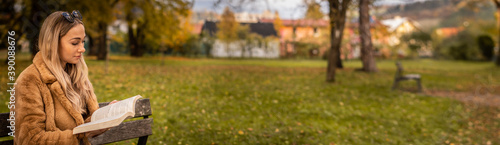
(448, 31)
(269, 50)
(201, 17)
(398, 27)
(301, 30)
(351, 36)
(263, 29)
(246, 17)
(196, 28)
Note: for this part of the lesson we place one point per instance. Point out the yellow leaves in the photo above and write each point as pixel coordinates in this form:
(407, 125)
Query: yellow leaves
(241, 132)
(277, 130)
(165, 129)
(267, 82)
(227, 26)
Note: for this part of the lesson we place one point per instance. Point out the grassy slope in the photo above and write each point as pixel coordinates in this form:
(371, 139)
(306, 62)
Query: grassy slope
(288, 102)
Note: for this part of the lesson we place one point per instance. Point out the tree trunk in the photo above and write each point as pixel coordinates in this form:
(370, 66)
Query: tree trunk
(337, 21)
(140, 42)
(228, 50)
(497, 4)
(208, 48)
(34, 45)
(339, 61)
(250, 51)
(102, 47)
(369, 64)
(92, 49)
(35, 26)
(132, 41)
(498, 42)
(132, 38)
(136, 42)
(243, 49)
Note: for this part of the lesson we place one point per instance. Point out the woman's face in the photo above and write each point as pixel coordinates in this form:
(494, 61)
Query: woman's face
(71, 45)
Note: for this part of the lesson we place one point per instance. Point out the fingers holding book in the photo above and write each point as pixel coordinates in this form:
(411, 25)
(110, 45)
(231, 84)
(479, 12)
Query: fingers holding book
(101, 131)
(108, 116)
(113, 102)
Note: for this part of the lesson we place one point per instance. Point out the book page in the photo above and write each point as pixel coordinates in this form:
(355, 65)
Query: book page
(109, 116)
(100, 124)
(116, 109)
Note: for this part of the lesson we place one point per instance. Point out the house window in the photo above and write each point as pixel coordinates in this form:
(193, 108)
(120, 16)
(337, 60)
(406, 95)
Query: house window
(315, 32)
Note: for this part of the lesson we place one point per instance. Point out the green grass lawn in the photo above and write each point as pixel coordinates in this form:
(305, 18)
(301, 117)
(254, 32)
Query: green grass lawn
(206, 101)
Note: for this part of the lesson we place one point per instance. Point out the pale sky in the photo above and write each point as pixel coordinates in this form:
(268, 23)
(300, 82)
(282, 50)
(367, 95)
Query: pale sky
(287, 9)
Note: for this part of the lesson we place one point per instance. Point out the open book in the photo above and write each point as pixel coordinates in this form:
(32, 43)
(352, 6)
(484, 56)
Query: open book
(109, 116)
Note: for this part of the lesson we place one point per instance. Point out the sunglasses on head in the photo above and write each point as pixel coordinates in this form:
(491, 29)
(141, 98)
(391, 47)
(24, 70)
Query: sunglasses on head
(71, 17)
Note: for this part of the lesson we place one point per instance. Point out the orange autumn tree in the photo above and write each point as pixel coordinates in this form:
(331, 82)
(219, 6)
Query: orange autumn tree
(228, 28)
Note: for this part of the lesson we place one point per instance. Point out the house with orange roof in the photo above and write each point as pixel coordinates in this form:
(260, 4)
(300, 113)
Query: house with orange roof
(303, 30)
(448, 31)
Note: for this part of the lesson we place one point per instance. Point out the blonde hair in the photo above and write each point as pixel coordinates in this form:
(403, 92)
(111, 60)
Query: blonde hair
(74, 77)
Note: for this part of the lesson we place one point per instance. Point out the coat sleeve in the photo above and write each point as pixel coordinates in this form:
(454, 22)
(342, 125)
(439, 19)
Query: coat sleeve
(30, 111)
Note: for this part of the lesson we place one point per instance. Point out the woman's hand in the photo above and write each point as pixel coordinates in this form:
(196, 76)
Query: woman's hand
(99, 132)
(112, 102)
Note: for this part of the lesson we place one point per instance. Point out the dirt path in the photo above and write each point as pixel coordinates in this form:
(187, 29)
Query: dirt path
(484, 109)
(482, 99)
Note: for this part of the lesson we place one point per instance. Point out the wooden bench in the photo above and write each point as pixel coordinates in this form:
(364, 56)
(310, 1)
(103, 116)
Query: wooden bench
(140, 128)
(401, 77)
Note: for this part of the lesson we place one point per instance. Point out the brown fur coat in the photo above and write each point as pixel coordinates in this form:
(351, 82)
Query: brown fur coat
(44, 115)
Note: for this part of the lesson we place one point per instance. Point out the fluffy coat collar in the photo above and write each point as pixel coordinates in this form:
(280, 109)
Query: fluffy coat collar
(58, 93)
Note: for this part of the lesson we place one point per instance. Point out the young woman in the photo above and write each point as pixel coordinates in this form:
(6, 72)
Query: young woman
(54, 94)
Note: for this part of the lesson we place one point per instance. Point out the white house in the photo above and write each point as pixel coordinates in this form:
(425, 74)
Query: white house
(235, 49)
(238, 49)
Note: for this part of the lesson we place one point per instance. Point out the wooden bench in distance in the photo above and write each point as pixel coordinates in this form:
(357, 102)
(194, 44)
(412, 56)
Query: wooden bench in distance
(126, 130)
(400, 77)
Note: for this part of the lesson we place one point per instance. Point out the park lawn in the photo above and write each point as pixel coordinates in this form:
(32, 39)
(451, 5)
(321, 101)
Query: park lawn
(223, 101)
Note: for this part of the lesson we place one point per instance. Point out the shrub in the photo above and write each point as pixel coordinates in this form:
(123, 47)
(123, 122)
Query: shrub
(486, 45)
(461, 47)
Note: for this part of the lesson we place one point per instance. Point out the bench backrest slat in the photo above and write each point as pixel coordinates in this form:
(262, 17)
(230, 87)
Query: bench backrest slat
(7, 142)
(400, 70)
